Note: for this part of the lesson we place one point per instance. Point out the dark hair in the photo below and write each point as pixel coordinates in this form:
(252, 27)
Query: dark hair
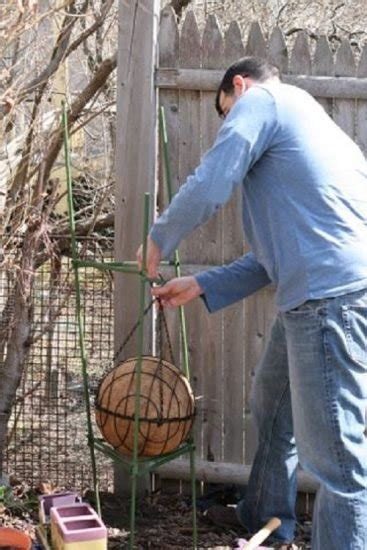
(255, 67)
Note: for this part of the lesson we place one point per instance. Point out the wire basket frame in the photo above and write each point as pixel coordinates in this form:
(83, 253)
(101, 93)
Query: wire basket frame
(167, 407)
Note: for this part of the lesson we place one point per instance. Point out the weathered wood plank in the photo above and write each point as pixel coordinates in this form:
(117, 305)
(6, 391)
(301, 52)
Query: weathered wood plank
(318, 86)
(136, 154)
(344, 109)
(361, 112)
(256, 43)
(169, 100)
(234, 48)
(300, 62)
(234, 366)
(323, 65)
(208, 248)
(189, 158)
(277, 51)
(225, 472)
(233, 317)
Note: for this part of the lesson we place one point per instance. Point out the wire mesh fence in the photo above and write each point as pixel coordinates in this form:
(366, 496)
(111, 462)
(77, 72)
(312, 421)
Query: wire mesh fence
(47, 439)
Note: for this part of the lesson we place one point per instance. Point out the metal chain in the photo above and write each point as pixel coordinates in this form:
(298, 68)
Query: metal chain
(162, 321)
(111, 363)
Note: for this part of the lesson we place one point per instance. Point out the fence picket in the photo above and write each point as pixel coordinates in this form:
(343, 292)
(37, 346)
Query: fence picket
(278, 52)
(233, 317)
(256, 44)
(300, 62)
(361, 109)
(189, 157)
(169, 100)
(344, 109)
(208, 251)
(323, 65)
(234, 48)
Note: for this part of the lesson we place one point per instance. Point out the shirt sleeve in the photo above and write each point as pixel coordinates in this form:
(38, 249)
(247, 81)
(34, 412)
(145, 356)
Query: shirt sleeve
(227, 284)
(241, 140)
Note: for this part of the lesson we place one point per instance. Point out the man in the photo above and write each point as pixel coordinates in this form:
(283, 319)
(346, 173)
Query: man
(304, 185)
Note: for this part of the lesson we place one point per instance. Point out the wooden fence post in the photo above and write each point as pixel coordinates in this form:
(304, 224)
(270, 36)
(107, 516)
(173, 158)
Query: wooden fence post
(135, 158)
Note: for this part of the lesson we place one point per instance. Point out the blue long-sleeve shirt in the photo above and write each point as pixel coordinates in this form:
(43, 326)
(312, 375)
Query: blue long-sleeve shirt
(304, 186)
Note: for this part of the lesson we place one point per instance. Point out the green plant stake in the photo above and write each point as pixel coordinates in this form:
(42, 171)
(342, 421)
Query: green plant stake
(135, 465)
(83, 352)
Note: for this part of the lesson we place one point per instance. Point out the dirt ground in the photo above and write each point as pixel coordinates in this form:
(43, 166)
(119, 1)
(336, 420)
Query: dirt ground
(163, 521)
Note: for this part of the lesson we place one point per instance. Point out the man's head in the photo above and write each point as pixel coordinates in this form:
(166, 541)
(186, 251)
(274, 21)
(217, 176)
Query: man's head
(239, 77)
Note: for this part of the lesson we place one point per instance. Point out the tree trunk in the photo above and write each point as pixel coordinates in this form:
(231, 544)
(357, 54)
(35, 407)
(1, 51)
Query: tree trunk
(11, 369)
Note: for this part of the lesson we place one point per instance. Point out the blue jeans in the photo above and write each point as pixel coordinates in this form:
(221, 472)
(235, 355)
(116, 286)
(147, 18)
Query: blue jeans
(309, 400)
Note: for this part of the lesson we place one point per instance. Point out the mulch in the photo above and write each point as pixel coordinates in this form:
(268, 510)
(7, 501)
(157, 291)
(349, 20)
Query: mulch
(163, 521)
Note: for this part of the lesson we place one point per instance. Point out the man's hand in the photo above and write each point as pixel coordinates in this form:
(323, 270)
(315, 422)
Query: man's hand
(178, 291)
(153, 258)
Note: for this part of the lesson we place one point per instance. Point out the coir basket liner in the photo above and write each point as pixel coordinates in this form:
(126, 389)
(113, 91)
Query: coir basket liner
(166, 407)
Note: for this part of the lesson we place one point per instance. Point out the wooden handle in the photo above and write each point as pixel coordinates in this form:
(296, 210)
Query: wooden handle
(263, 534)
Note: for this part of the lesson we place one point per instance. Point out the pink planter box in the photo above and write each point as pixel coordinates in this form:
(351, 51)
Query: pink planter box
(77, 523)
(55, 499)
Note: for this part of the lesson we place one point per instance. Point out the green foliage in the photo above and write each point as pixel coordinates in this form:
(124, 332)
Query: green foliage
(25, 502)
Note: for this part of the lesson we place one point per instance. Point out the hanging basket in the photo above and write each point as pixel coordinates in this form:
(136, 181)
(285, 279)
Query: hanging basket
(166, 407)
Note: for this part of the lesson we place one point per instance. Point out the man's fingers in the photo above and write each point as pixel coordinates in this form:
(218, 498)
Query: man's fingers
(161, 290)
(177, 292)
(153, 258)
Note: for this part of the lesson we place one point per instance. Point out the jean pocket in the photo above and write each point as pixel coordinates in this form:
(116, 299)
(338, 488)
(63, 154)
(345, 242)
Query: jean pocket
(355, 329)
(304, 310)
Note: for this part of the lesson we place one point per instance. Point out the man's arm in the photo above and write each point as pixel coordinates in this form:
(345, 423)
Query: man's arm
(221, 170)
(219, 287)
(227, 284)
(243, 138)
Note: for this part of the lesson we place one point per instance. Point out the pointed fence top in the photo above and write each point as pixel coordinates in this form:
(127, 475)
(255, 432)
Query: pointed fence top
(234, 48)
(168, 38)
(212, 44)
(277, 51)
(212, 50)
(190, 43)
(256, 44)
(301, 57)
(345, 64)
(362, 67)
(323, 63)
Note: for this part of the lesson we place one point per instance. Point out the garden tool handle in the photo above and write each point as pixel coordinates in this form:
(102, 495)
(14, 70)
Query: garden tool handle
(263, 534)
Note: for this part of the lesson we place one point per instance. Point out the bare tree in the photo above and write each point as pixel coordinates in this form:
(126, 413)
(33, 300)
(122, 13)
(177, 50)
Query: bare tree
(35, 45)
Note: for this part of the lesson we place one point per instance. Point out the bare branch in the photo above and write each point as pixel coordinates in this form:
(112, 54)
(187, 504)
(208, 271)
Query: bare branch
(99, 79)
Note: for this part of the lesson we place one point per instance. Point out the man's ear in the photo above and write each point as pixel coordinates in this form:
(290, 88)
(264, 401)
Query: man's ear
(239, 84)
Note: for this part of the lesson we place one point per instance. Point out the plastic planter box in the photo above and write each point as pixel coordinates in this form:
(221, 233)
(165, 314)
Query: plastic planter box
(77, 527)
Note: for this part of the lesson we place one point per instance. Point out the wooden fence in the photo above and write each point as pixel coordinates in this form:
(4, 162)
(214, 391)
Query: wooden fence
(224, 347)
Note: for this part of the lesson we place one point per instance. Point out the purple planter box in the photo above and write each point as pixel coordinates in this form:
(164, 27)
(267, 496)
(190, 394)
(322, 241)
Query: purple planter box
(78, 523)
(46, 502)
